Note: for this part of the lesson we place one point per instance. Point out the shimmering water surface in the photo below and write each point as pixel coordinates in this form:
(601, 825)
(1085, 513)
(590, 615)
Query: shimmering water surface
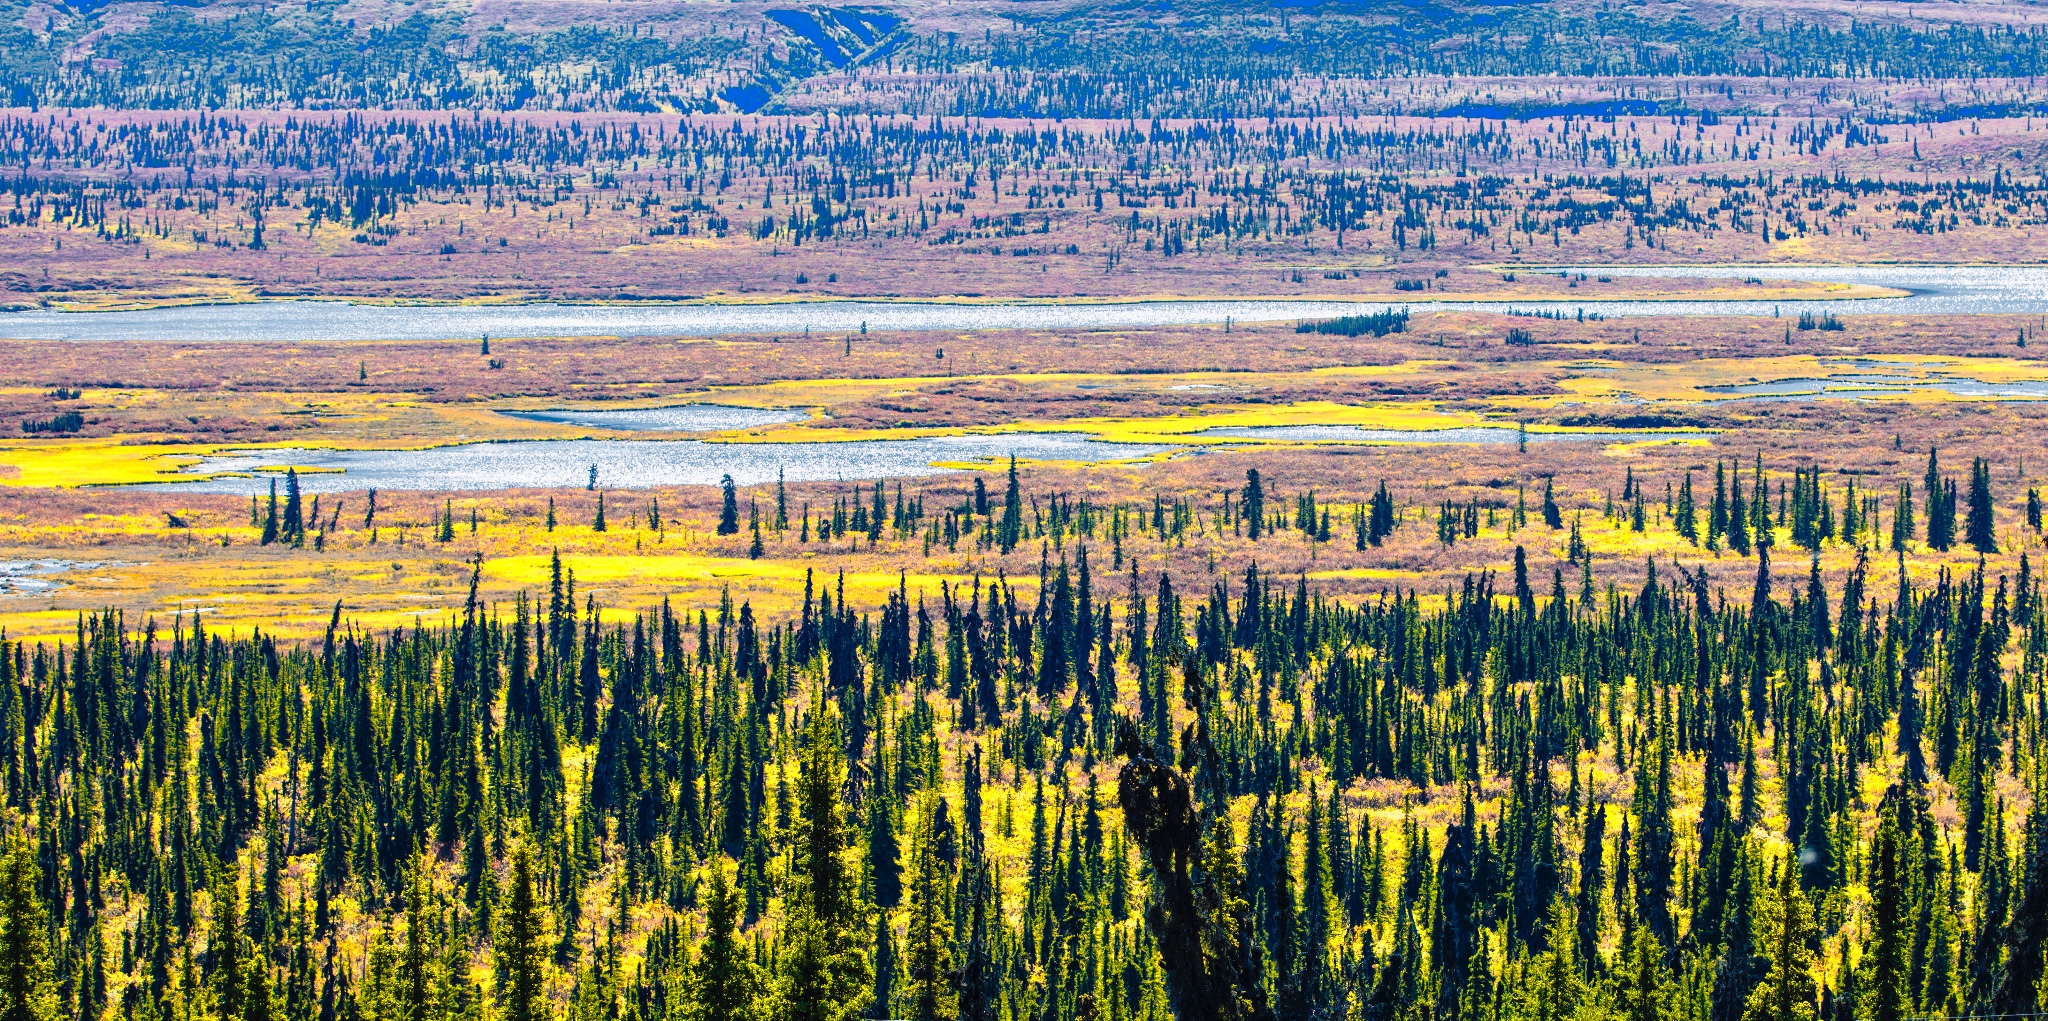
(636, 464)
(1937, 290)
(679, 418)
(34, 577)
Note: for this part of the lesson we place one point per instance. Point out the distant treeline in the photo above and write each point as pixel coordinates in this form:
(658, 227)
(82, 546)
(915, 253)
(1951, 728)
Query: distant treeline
(853, 177)
(1202, 62)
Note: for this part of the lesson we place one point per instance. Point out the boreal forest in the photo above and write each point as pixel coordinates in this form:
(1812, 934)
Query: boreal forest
(1105, 792)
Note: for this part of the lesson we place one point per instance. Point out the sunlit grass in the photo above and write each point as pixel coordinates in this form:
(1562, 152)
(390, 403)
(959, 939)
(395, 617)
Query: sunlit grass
(66, 463)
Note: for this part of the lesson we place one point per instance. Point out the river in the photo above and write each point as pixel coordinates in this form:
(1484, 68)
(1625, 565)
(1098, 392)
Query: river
(1935, 290)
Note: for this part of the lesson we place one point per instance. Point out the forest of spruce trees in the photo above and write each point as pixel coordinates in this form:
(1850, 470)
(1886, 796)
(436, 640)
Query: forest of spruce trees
(1099, 796)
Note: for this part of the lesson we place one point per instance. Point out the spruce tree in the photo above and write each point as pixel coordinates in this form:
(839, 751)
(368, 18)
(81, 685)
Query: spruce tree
(1686, 519)
(781, 504)
(880, 1008)
(520, 945)
(729, 508)
(1592, 874)
(1380, 520)
(26, 992)
(1253, 505)
(416, 963)
(1978, 528)
(224, 948)
(1887, 940)
(256, 999)
(928, 942)
(270, 524)
(1644, 993)
(826, 972)
(1717, 512)
(1011, 530)
(725, 986)
(1902, 518)
(1313, 959)
(294, 528)
(1785, 924)
(1738, 515)
(885, 871)
(1941, 518)
(1762, 529)
(1651, 805)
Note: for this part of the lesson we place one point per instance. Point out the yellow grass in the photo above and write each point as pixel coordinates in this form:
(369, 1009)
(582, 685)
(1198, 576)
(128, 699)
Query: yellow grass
(66, 463)
(1184, 428)
(293, 592)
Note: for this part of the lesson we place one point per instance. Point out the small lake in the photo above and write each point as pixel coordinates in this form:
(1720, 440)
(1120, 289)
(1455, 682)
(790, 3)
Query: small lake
(678, 418)
(1478, 434)
(1937, 290)
(637, 464)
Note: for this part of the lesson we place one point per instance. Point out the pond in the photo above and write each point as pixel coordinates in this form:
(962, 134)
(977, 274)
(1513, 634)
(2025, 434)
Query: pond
(1936, 290)
(639, 464)
(635, 464)
(677, 418)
